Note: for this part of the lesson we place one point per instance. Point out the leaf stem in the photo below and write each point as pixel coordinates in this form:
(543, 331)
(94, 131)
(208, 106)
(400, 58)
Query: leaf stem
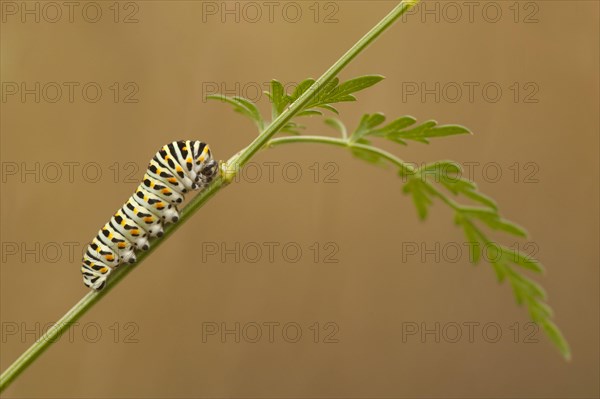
(343, 143)
(229, 170)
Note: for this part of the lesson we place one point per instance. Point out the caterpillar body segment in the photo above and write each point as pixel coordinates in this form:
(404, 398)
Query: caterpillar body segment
(176, 169)
(116, 241)
(148, 221)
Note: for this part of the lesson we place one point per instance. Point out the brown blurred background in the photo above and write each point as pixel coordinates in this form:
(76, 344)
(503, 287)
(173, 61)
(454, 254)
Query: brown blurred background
(535, 150)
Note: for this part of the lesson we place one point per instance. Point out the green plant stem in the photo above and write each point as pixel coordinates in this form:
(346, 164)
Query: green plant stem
(229, 170)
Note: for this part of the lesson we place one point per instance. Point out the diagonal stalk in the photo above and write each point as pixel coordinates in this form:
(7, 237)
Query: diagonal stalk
(229, 170)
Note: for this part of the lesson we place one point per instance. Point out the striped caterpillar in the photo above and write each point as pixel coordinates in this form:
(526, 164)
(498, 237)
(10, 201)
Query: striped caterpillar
(175, 169)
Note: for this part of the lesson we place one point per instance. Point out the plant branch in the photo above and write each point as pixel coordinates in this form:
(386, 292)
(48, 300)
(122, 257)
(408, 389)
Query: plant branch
(229, 170)
(526, 291)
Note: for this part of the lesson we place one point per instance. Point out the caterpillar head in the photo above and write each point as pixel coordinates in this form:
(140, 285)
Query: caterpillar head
(208, 172)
